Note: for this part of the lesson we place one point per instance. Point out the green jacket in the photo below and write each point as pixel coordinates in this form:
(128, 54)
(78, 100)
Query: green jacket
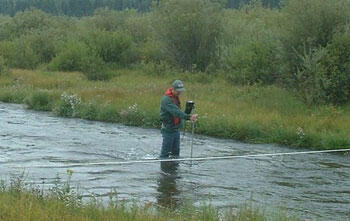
(169, 110)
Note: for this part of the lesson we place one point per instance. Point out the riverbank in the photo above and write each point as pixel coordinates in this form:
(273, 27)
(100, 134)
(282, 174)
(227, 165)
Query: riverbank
(253, 114)
(18, 201)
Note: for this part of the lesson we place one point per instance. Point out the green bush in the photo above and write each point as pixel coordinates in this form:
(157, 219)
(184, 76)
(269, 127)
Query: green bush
(151, 51)
(94, 69)
(72, 57)
(132, 116)
(30, 50)
(77, 56)
(109, 113)
(39, 100)
(23, 54)
(324, 76)
(112, 47)
(310, 76)
(68, 105)
(6, 51)
(139, 26)
(25, 22)
(4, 70)
(307, 26)
(43, 44)
(250, 42)
(336, 78)
(88, 111)
(254, 62)
(20, 53)
(190, 31)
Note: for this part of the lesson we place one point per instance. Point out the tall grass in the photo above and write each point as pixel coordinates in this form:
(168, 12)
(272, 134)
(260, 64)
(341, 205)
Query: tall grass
(256, 114)
(18, 201)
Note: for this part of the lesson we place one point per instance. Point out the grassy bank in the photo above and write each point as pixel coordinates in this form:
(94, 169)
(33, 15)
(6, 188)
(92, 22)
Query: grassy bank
(255, 114)
(26, 206)
(21, 202)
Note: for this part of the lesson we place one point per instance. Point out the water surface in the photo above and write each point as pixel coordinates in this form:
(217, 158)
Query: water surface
(313, 186)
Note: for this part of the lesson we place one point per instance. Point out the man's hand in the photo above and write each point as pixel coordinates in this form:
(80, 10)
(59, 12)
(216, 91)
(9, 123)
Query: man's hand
(194, 117)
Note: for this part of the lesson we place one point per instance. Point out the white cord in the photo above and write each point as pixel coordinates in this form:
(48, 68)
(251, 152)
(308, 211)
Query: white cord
(194, 159)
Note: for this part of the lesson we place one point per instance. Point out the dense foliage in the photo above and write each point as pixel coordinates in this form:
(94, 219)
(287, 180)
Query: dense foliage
(87, 7)
(304, 46)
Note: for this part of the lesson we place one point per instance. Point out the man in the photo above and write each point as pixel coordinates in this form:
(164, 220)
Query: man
(172, 120)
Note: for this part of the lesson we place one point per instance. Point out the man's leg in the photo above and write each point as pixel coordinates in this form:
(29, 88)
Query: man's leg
(176, 144)
(167, 144)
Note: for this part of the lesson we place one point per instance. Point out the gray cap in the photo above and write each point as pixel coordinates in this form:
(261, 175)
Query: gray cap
(178, 85)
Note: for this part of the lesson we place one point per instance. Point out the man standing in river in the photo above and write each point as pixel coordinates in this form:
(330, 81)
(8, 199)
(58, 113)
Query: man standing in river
(172, 120)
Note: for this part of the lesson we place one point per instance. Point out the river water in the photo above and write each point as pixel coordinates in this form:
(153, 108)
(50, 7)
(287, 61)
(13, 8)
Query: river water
(312, 186)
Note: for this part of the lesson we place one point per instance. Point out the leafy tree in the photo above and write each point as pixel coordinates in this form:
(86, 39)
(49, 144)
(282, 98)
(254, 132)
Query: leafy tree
(309, 28)
(190, 31)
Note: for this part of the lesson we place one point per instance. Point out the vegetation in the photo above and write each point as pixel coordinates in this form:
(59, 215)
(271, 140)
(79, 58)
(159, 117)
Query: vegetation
(18, 201)
(87, 7)
(254, 114)
(266, 71)
(189, 31)
(257, 74)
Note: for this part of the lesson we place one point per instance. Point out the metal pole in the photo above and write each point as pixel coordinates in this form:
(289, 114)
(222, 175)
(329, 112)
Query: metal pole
(192, 139)
(193, 127)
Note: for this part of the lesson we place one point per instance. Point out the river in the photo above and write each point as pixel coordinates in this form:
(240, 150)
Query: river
(312, 186)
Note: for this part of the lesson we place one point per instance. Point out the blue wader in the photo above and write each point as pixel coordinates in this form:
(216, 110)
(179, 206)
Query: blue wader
(171, 144)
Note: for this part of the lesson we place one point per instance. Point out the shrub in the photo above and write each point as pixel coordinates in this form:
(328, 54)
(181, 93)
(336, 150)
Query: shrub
(249, 50)
(77, 56)
(111, 46)
(109, 113)
(336, 78)
(133, 116)
(88, 111)
(324, 76)
(307, 26)
(22, 54)
(68, 105)
(151, 51)
(6, 51)
(43, 44)
(39, 100)
(30, 50)
(72, 57)
(25, 22)
(190, 31)
(308, 79)
(139, 26)
(94, 69)
(254, 62)
(4, 70)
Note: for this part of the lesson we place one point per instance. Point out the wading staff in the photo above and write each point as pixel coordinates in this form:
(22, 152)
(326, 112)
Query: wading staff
(193, 126)
(189, 107)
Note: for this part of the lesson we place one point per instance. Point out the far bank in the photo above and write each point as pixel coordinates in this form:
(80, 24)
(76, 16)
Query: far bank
(254, 114)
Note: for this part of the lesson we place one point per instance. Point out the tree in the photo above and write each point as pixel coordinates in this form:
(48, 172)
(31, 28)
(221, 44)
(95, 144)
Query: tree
(190, 31)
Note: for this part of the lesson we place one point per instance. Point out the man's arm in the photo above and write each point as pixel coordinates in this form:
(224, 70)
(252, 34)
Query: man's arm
(174, 110)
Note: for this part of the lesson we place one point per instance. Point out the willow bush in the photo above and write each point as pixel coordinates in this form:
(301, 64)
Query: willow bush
(309, 28)
(190, 31)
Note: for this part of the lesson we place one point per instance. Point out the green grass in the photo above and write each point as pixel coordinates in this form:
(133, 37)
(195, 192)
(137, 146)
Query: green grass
(26, 206)
(254, 114)
(18, 201)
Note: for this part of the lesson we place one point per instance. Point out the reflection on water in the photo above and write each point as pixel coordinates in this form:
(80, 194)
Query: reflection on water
(314, 186)
(168, 192)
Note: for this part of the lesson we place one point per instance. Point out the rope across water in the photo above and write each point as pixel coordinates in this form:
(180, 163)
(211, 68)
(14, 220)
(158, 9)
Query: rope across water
(195, 158)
